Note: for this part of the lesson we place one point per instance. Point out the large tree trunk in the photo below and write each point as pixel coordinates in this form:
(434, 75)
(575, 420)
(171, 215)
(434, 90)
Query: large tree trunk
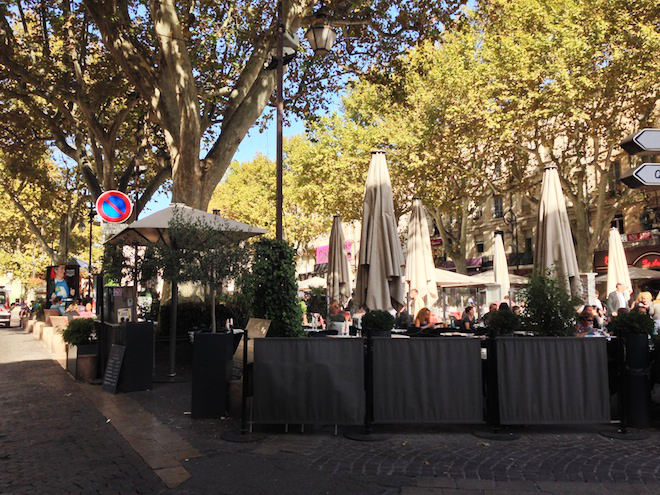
(170, 89)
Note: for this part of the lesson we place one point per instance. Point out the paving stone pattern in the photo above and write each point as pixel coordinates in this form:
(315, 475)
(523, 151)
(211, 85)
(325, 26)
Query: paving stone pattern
(54, 439)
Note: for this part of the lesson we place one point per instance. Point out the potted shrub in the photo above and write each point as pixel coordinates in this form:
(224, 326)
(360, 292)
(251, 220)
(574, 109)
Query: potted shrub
(549, 308)
(503, 322)
(274, 289)
(82, 348)
(635, 329)
(378, 322)
(536, 375)
(200, 252)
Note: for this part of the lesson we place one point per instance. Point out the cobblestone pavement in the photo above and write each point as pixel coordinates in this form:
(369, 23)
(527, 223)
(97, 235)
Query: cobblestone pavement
(42, 450)
(53, 440)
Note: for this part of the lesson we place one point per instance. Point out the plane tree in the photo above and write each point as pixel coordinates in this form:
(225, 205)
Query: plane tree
(202, 67)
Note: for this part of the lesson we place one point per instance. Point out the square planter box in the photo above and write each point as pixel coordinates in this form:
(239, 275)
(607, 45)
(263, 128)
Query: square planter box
(82, 361)
(552, 380)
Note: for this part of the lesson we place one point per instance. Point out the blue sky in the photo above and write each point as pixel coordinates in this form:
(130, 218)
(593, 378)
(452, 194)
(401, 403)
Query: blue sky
(255, 142)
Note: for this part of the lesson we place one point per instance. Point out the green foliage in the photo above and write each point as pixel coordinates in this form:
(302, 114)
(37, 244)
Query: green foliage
(192, 316)
(199, 251)
(377, 319)
(317, 302)
(79, 331)
(631, 322)
(504, 322)
(114, 264)
(549, 308)
(39, 305)
(247, 194)
(239, 303)
(274, 288)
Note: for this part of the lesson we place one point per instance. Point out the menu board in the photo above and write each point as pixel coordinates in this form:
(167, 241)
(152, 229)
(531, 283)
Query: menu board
(112, 370)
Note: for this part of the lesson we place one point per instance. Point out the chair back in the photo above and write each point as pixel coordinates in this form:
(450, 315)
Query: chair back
(59, 323)
(48, 313)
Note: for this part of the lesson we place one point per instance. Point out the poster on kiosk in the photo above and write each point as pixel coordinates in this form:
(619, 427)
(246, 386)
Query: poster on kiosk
(63, 281)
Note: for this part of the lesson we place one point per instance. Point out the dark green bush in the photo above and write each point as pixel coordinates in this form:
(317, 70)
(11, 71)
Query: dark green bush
(318, 302)
(79, 331)
(377, 320)
(503, 322)
(549, 308)
(192, 316)
(240, 305)
(631, 322)
(274, 288)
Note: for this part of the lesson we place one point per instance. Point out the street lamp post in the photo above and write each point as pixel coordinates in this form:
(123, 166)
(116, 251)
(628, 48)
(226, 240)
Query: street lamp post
(321, 37)
(279, 191)
(89, 267)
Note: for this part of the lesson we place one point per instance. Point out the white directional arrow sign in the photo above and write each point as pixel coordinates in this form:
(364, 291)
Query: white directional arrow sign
(647, 174)
(644, 141)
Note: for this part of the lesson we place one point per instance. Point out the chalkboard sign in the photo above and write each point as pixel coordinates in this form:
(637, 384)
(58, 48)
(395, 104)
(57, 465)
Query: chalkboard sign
(113, 368)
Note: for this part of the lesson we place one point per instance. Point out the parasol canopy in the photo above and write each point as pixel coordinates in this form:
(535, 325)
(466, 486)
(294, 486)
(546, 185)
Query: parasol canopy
(380, 274)
(339, 276)
(420, 268)
(554, 241)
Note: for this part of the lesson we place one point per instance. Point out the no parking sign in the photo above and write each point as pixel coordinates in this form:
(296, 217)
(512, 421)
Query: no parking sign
(114, 206)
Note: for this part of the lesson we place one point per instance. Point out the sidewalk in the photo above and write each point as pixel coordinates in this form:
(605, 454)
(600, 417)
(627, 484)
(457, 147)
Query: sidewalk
(57, 436)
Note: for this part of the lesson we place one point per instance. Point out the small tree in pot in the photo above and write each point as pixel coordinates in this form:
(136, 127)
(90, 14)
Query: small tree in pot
(273, 288)
(79, 332)
(503, 322)
(549, 308)
(380, 323)
(80, 335)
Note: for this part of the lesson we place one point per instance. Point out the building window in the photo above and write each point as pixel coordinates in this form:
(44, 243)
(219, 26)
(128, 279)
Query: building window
(498, 207)
(528, 244)
(525, 206)
(617, 223)
(480, 246)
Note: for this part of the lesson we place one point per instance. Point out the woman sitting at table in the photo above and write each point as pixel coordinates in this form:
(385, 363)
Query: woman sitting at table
(335, 308)
(468, 321)
(423, 319)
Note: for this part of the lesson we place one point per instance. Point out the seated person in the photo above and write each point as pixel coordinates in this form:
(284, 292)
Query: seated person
(468, 321)
(335, 308)
(585, 325)
(74, 307)
(402, 319)
(591, 313)
(57, 304)
(492, 309)
(423, 319)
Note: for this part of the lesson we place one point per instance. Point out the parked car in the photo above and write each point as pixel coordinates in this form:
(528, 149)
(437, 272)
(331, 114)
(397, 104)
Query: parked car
(5, 314)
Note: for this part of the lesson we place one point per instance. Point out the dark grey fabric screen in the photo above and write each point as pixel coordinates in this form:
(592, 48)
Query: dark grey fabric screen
(428, 380)
(310, 381)
(553, 380)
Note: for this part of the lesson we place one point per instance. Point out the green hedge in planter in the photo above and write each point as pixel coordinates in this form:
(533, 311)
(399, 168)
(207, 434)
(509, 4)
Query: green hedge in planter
(274, 288)
(631, 322)
(503, 322)
(377, 320)
(80, 331)
(549, 308)
(192, 316)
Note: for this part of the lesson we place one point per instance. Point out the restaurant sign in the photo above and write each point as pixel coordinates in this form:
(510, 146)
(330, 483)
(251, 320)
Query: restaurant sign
(648, 261)
(323, 252)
